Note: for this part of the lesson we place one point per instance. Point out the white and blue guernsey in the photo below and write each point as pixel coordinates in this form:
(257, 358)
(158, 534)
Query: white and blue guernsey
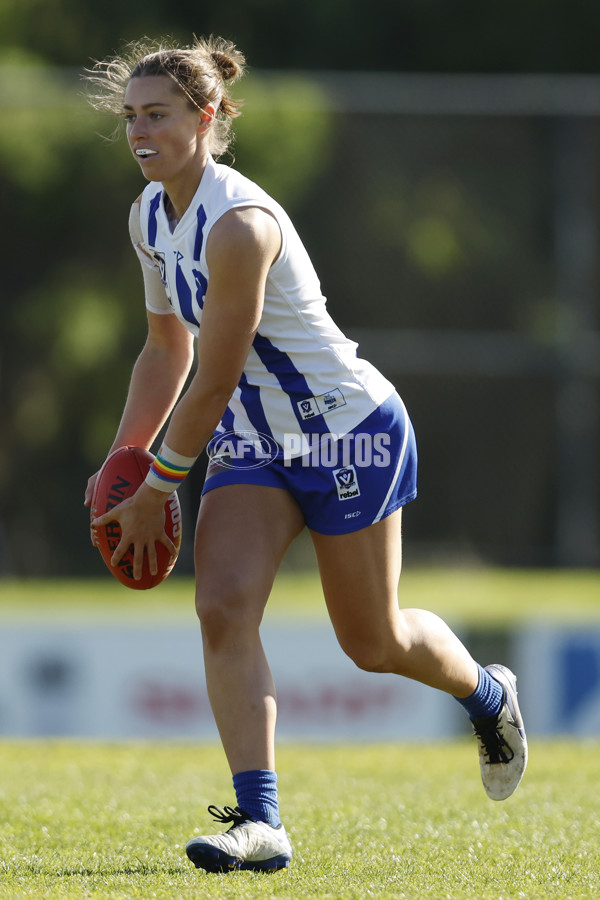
(302, 375)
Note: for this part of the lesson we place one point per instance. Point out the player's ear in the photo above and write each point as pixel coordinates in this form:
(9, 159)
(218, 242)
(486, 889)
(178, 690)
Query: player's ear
(208, 114)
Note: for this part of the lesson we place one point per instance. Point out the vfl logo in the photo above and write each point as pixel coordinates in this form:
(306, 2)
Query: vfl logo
(345, 477)
(346, 483)
(308, 409)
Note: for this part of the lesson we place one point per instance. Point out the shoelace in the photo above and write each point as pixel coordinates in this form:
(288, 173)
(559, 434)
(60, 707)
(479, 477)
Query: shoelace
(496, 748)
(229, 814)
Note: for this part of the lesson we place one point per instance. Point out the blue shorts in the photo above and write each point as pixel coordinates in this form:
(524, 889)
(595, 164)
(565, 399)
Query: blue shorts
(341, 485)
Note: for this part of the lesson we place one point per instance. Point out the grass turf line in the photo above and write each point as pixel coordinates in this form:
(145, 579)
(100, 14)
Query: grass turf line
(110, 821)
(467, 597)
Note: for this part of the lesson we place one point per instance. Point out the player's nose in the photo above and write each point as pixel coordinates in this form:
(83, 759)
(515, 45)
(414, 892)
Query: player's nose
(138, 128)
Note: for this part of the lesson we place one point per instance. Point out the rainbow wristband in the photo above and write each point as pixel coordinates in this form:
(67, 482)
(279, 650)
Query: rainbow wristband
(168, 470)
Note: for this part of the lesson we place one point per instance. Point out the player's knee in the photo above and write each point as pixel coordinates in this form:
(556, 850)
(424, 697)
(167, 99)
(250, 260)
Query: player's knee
(380, 651)
(224, 614)
(219, 624)
(216, 611)
(370, 656)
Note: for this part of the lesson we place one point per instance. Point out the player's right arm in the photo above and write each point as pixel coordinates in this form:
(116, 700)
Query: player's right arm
(157, 379)
(161, 369)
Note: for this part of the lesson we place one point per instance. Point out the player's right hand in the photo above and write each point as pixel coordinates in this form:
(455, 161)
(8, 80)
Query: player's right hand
(90, 489)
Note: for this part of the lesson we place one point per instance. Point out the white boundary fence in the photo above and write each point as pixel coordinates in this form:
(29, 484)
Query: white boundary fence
(109, 681)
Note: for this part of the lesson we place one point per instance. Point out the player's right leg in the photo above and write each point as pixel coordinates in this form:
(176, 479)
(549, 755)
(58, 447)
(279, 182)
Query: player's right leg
(242, 535)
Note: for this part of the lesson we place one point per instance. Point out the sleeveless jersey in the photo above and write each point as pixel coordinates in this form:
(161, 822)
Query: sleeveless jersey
(302, 375)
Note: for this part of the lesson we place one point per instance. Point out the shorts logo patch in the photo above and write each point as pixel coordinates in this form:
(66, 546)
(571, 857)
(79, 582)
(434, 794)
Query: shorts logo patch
(346, 483)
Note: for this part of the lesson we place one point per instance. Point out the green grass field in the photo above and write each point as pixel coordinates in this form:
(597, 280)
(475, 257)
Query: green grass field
(84, 819)
(111, 821)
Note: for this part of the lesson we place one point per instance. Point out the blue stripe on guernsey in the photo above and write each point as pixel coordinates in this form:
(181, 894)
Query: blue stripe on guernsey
(184, 293)
(199, 235)
(250, 399)
(292, 382)
(227, 420)
(152, 223)
(201, 287)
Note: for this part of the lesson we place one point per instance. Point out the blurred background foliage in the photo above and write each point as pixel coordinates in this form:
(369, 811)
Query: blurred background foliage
(413, 223)
(382, 35)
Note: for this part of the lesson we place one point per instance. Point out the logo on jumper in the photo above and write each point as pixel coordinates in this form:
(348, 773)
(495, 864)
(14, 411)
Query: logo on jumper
(159, 259)
(308, 409)
(320, 403)
(241, 450)
(330, 400)
(346, 483)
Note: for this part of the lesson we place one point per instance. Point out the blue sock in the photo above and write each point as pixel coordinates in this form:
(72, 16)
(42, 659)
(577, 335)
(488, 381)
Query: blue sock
(256, 793)
(486, 700)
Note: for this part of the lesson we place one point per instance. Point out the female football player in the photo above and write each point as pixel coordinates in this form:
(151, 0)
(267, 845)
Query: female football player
(301, 432)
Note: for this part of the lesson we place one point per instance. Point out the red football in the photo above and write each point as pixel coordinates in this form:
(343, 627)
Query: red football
(119, 478)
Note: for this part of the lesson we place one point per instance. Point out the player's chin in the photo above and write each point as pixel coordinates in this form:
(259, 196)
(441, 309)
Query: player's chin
(150, 174)
(150, 166)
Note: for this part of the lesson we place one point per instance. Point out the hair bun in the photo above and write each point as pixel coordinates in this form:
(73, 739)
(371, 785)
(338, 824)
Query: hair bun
(228, 68)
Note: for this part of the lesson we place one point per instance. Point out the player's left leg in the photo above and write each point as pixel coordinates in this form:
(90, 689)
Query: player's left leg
(360, 573)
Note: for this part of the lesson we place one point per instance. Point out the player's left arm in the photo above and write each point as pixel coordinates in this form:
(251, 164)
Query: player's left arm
(240, 250)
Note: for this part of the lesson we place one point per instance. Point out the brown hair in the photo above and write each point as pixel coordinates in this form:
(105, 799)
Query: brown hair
(201, 72)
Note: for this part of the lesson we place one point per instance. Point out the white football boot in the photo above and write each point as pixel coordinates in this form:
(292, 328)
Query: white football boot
(246, 845)
(502, 741)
